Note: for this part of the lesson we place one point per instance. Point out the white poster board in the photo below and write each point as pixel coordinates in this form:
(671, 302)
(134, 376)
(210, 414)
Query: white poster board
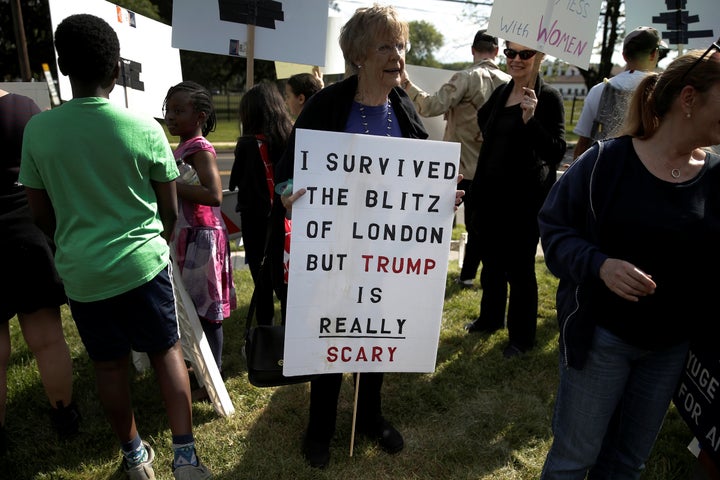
(430, 80)
(296, 33)
(696, 25)
(369, 252)
(151, 63)
(563, 29)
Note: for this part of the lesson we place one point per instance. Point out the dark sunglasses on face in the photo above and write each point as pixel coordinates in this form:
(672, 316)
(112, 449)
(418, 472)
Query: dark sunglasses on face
(524, 54)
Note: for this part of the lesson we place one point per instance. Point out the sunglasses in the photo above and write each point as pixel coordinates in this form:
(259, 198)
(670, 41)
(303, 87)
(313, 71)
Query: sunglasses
(713, 46)
(524, 54)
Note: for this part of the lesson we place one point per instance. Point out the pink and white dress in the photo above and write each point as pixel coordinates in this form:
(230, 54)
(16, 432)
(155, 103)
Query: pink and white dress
(202, 249)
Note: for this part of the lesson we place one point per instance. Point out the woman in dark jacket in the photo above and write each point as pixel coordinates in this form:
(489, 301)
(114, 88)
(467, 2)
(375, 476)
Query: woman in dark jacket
(523, 142)
(370, 101)
(265, 125)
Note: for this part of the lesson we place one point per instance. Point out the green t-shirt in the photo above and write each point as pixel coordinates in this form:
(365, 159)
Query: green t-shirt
(96, 162)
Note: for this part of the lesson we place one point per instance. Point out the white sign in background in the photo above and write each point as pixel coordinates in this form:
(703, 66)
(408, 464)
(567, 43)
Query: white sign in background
(298, 38)
(359, 300)
(703, 21)
(142, 40)
(562, 28)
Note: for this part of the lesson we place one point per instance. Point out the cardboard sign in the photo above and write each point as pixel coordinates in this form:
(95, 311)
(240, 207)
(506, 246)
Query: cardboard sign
(295, 33)
(562, 28)
(150, 64)
(698, 399)
(369, 252)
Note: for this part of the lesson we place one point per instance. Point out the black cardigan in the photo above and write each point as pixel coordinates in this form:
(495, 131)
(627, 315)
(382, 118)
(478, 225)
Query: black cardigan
(540, 143)
(329, 109)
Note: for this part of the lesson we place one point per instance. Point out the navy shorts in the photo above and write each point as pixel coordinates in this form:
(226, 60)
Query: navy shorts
(142, 319)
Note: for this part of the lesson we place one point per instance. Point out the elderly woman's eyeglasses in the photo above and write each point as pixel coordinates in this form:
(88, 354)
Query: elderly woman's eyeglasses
(524, 54)
(387, 49)
(713, 46)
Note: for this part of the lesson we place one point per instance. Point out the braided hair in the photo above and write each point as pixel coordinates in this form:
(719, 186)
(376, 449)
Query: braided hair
(201, 101)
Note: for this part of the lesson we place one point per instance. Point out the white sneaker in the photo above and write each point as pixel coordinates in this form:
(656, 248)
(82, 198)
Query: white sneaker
(143, 470)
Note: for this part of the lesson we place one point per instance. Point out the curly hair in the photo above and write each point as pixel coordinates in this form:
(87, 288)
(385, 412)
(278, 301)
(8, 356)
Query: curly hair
(88, 49)
(201, 100)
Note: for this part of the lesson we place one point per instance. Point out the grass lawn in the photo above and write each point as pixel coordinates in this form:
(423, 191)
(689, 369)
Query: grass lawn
(477, 416)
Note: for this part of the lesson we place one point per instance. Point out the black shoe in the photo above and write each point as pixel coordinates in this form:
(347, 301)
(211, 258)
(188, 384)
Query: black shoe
(469, 283)
(316, 453)
(387, 437)
(479, 326)
(65, 420)
(511, 351)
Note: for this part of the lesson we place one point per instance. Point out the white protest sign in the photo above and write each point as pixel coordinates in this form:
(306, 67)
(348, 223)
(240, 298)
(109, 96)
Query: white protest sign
(151, 65)
(694, 24)
(562, 28)
(293, 32)
(369, 252)
(431, 80)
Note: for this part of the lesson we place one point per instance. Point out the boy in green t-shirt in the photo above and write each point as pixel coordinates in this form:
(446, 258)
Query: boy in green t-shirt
(100, 181)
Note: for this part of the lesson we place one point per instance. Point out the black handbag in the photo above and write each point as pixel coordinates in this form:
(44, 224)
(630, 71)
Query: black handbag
(264, 347)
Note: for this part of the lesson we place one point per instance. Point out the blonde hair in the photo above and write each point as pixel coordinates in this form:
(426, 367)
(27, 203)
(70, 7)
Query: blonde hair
(364, 28)
(656, 93)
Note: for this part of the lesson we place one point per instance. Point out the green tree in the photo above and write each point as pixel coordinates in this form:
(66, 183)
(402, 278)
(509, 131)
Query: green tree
(38, 33)
(147, 8)
(424, 41)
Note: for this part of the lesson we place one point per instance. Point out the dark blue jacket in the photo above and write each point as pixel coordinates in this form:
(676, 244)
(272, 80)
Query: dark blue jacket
(572, 230)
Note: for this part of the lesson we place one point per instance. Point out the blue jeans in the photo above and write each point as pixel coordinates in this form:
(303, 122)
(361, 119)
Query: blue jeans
(607, 415)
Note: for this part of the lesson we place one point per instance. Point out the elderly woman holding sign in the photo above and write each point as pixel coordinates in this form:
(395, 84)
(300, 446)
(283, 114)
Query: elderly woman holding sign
(369, 101)
(523, 126)
(631, 229)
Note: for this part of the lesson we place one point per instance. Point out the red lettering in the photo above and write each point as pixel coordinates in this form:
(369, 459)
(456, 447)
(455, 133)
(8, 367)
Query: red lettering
(332, 354)
(408, 266)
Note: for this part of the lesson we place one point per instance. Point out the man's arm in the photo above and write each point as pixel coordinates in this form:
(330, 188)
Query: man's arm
(166, 193)
(448, 96)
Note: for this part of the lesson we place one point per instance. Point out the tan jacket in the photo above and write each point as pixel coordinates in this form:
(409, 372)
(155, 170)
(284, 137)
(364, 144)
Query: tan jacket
(459, 100)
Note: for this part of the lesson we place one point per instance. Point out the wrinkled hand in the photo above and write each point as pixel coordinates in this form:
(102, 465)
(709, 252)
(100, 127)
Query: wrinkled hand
(528, 104)
(459, 194)
(626, 280)
(288, 200)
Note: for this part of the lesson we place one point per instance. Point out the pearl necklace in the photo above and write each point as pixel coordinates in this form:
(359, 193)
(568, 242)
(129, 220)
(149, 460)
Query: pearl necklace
(363, 119)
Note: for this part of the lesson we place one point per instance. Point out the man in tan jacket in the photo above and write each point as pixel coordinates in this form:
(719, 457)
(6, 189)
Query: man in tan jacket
(459, 100)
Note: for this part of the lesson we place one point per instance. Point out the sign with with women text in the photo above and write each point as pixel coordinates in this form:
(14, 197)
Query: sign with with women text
(369, 252)
(562, 28)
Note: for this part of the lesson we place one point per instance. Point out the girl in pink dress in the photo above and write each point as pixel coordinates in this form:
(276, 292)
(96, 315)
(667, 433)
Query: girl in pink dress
(200, 242)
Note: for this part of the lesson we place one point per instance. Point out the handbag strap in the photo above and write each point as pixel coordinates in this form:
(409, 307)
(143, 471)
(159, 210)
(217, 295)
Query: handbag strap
(253, 299)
